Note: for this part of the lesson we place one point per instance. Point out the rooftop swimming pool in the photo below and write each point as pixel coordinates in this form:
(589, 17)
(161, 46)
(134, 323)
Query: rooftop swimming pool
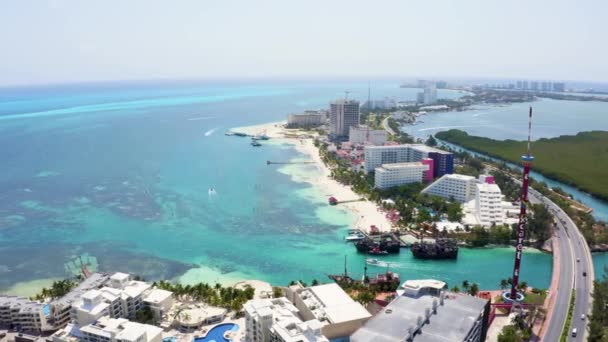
(216, 334)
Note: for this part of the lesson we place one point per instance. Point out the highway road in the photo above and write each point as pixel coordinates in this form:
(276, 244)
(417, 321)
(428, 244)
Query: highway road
(575, 260)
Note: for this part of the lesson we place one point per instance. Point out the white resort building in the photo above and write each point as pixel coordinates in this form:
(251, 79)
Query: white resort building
(362, 134)
(310, 118)
(488, 204)
(460, 188)
(108, 329)
(277, 320)
(390, 175)
(23, 314)
(338, 314)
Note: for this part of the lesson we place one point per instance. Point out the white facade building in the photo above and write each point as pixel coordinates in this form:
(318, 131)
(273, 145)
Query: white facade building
(91, 307)
(119, 330)
(461, 188)
(306, 119)
(361, 134)
(159, 301)
(390, 175)
(339, 314)
(376, 156)
(22, 313)
(488, 204)
(343, 115)
(277, 320)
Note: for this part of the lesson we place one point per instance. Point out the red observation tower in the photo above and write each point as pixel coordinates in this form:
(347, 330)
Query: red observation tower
(521, 228)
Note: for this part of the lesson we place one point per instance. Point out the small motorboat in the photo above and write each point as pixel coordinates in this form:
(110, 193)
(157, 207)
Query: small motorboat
(376, 262)
(255, 143)
(372, 261)
(354, 237)
(377, 251)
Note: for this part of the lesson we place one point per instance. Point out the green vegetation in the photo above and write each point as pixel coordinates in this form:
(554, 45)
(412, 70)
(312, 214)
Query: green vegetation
(579, 160)
(227, 297)
(598, 320)
(145, 316)
(413, 206)
(566, 329)
(400, 137)
(58, 289)
(595, 233)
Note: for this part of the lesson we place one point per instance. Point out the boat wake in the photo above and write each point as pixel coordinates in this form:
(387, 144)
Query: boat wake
(211, 131)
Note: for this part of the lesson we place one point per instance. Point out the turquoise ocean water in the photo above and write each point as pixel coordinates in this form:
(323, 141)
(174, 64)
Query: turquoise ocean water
(120, 172)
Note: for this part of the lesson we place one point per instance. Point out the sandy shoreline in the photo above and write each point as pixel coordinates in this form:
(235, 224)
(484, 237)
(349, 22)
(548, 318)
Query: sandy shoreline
(367, 213)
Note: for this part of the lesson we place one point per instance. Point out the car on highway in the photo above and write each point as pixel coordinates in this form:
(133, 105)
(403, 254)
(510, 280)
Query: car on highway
(578, 260)
(584, 274)
(583, 317)
(574, 332)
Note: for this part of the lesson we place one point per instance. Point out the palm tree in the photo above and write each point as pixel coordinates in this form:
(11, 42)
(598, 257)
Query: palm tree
(474, 289)
(465, 285)
(504, 284)
(522, 286)
(455, 289)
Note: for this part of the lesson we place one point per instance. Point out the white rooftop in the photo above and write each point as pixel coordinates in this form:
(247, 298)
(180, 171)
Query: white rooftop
(459, 176)
(158, 295)
(120, 276)
(488, 187)
(424, 283)
(135, 288)
(337, 305)
(397, 166)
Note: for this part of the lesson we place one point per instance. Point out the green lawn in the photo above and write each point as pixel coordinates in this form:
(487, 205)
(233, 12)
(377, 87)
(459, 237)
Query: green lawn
(580, 160)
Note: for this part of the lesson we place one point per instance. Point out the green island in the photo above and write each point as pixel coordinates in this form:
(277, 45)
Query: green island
(580, 160)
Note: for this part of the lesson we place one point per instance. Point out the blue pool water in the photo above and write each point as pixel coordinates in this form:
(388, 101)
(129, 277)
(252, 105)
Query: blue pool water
(46, 310)
(217, 333)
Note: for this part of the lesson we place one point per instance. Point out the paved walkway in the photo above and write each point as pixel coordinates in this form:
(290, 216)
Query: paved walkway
(540, 329)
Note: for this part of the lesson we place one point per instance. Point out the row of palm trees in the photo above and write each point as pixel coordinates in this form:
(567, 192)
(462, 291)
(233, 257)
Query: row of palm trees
(57, 290)
(227, 297)
(467, 287)
(406, 197)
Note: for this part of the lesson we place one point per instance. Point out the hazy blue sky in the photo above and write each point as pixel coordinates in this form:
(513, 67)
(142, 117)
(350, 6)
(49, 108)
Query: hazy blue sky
(60, 41)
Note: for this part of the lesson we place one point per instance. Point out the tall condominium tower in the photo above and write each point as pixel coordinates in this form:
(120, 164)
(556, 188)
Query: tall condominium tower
(344, 115)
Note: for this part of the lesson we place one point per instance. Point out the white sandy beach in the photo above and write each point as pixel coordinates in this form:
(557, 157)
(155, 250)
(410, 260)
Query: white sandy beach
(367, 212)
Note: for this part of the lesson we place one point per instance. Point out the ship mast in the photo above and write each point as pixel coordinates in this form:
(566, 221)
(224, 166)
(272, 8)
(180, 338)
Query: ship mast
(527, 163)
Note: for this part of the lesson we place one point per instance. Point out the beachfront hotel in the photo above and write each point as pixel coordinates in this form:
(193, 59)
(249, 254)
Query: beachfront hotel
(424, 311)
(107, 329)
(23, 314)
(343, 115)
(390, 175)
(362, 134)
(337, 312)
(277, 320)
(461, 188)
(310, 118)
(375, 156)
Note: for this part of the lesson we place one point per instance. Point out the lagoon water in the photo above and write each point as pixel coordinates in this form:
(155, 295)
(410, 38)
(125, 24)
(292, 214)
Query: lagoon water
(119, 173)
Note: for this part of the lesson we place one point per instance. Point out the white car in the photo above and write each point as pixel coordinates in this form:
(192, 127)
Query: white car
(583, 317)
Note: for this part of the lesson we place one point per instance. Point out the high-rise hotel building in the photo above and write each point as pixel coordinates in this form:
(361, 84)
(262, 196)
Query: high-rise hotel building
(344, 114)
